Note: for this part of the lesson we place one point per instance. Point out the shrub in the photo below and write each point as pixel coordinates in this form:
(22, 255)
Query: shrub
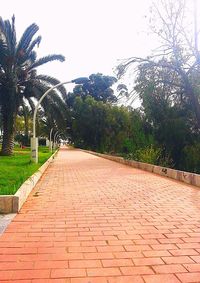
(190, 160)
(22, 139)
(148, 155)
(128, 146)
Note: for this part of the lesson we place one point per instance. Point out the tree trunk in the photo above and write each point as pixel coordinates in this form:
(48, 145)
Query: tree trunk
(8, 132)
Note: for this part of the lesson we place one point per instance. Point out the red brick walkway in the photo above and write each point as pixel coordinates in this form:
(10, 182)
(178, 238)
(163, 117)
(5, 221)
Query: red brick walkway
(91, 220)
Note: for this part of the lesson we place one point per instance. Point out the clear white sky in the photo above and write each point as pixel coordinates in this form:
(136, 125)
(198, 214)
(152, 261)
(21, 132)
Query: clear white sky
(91, 34)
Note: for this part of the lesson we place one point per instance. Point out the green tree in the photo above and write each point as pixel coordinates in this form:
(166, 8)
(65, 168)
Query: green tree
(88, 125)
(168, 113)
(25, 112)
(190, 158)
(106, 128)
(98, 87)
(19, 81)
(178, 55)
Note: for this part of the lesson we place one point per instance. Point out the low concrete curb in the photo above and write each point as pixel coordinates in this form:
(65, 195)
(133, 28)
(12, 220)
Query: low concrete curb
(13, 203)
(186, 177)
(5, 220)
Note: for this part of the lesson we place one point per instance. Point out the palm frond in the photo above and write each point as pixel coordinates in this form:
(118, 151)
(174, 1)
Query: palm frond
(52, 81)
(3, 52)
(1, 24)
(26, 38)
(29, 56)
(34, 89)
(38, 89)
(31, 104)
(13, 38)
(32, 56)
(8, 34)
(58, 102)
(34, 43)
(47, 59)
(52, 104)
(53, 110)
(26, 59)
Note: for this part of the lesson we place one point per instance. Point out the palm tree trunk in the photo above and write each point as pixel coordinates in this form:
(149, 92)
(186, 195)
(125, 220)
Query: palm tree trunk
(8, 132)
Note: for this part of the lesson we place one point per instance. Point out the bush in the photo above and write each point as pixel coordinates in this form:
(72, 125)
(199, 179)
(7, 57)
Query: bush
(191, 158)
(148, 155)
(128, 146)
(42, 141)
(22, 139)
(151, 155)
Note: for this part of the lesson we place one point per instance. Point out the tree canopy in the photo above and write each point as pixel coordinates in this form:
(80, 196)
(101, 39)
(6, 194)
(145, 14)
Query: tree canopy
(99, 87)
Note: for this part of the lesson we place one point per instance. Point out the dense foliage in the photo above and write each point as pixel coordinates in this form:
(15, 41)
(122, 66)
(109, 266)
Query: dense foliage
(168, 85)
(98, 86)
(107, 128)
(162, 137)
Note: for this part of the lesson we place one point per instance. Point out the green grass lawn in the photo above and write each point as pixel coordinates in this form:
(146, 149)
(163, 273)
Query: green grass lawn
(15, 169)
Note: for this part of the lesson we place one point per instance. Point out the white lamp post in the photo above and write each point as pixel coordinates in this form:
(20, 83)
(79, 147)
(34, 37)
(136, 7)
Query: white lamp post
(57, 138)
(34, 139)
(50, 140)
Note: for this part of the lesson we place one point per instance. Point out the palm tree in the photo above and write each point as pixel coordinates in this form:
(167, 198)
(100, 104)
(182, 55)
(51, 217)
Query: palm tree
(19, 82)
(26, 113)
(55, 115)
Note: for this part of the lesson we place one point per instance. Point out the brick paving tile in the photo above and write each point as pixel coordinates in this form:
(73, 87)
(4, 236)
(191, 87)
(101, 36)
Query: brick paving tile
(156, 253)
(122, 255)
(196, 258)
(97, 221)
(188, 252)
(136, 270)
(117, 262)
(189, 277)
(109, 271)
(169, 268)
(164, 278)
(192, 267)
(49, 281)
(177, 259)
(65, 273)
(90, 280)
(84, 263)
(22, 281)
(126, 279)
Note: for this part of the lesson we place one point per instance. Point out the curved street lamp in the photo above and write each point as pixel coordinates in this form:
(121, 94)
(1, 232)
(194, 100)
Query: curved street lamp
(34, 139)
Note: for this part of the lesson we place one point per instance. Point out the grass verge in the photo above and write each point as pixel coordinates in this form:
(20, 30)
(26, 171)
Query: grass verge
(15, 169)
